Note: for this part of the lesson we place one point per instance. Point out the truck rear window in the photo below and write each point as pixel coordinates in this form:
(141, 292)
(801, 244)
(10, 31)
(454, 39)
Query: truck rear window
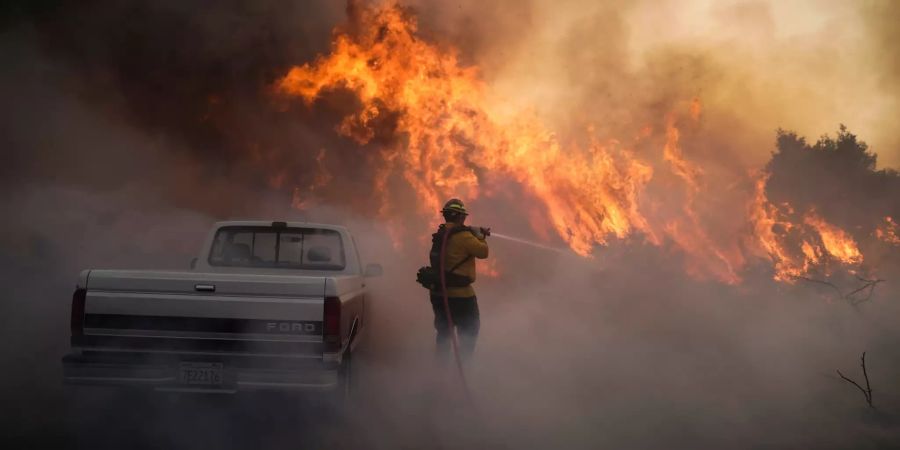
(289, 248)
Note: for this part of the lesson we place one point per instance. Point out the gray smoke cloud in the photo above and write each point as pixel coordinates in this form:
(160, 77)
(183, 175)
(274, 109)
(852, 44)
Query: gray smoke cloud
(129, 129)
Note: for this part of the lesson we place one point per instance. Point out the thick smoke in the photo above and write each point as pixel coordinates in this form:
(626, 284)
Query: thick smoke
(752, 63)
(129, 128)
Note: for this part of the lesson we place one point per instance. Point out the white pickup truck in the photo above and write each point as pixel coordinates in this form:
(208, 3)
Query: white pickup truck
(267, 305)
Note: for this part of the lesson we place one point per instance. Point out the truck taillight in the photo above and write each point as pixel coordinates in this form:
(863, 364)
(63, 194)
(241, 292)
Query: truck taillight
(331, 329)
(77, 322)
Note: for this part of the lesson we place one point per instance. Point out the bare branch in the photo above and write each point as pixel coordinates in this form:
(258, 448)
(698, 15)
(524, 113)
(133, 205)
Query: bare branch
(866, 375)
(826, 283)
(869, 284)
(861, 288)
(849, 297)
(864, 280)
(854, 383)
(866, 392)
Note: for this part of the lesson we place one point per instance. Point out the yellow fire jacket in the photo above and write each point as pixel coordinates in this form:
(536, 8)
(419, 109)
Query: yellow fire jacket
(459, 247)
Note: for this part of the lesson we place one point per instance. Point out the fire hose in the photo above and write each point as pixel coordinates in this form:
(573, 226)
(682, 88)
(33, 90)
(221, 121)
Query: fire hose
(454, 342)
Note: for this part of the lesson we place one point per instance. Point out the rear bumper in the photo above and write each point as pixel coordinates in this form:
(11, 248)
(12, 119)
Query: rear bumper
(161, 372)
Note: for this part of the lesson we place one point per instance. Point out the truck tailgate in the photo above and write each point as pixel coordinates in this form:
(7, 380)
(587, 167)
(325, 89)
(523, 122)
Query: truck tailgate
(189, 312)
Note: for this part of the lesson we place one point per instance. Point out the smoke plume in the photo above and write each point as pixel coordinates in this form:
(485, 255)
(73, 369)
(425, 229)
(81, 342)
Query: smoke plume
(129, 128)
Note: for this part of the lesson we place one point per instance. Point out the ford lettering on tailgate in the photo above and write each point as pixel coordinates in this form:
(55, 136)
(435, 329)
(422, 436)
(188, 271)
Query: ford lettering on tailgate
(201, 324)
(293, 327)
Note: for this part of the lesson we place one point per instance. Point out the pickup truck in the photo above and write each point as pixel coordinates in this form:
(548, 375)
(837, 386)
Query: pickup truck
(266, 306)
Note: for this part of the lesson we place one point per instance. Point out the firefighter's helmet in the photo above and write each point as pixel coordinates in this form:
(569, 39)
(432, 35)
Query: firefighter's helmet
(455, 205)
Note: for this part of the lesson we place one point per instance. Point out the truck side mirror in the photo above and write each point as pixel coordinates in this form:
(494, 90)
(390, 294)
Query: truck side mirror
(193, 263)
(373, 270)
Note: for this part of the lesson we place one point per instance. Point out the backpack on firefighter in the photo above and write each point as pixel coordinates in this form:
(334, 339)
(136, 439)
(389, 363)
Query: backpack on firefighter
(429, 276)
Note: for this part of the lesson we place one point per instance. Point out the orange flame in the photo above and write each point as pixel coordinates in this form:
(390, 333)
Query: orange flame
(766, 218)
(796, 248)
(588, 193)
(888, 232)
(705, 256)
(836, 241)
(437, 128)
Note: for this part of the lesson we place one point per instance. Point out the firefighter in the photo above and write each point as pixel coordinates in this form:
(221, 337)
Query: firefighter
(464, 244)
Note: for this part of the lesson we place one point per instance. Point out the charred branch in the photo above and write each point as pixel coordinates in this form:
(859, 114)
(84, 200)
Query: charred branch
(822, 282)
(867, 392)
(860, 294)
(868, 288)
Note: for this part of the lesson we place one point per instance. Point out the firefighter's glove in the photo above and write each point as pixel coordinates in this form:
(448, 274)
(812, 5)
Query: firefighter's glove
(481, 232)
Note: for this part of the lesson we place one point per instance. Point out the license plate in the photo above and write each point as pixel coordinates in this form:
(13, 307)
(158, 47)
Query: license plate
(201, 373)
